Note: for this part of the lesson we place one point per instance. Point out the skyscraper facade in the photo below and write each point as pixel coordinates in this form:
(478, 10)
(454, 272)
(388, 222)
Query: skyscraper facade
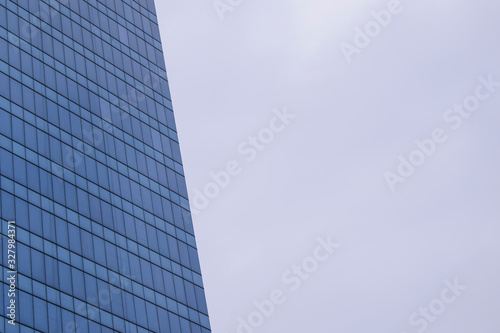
(96, 230)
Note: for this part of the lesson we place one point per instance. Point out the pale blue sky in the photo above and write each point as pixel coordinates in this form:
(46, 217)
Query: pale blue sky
(324, 173)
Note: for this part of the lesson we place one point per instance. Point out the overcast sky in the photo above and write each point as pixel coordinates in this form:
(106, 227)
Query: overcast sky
(316, 119)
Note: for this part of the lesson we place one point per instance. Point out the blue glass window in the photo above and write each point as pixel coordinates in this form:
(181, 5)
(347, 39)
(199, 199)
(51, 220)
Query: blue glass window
(80, 99)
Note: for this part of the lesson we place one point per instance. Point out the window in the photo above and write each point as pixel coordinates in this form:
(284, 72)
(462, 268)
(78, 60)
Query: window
(26, 303)
(37, 266)
(74, 237)
(51, 271)
(100, 254)
(41, 322)
(87, 248)
(91, 290)
(62, 232)
(78, 283)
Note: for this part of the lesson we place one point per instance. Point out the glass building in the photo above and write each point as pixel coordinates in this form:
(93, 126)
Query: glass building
(101, 237)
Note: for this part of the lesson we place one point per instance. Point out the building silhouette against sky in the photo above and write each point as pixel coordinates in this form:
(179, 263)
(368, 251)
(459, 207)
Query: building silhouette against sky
(91, 174)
